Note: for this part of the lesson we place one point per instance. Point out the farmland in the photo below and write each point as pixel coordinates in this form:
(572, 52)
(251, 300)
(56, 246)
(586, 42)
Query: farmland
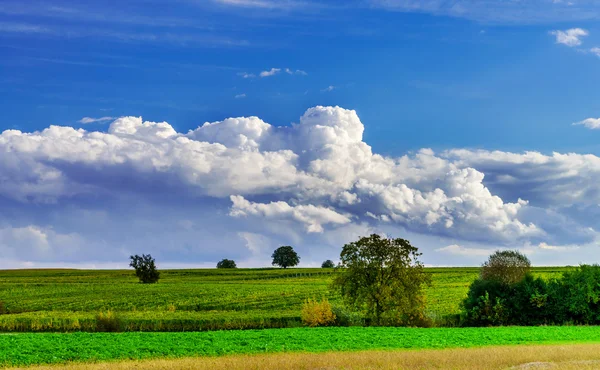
(189, 300)
(48, 348)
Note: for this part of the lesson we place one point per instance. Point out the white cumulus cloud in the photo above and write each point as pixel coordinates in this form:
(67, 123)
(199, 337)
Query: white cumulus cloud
(571, 37)
(591, 123)
(297, 184)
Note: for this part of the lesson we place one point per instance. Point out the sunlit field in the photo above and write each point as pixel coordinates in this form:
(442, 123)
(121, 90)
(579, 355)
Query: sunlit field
(190, 300)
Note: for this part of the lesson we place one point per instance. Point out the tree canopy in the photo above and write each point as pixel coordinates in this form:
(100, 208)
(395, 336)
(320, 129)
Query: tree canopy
(328, 264)
(226, 264)
(507, 267)
(145, 268)
(285, 257)
(383, 278)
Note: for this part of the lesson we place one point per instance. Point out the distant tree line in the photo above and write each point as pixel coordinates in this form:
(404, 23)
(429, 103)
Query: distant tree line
(382, 282)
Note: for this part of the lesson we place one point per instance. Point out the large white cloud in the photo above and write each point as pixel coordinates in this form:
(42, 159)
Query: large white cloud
(301, 182)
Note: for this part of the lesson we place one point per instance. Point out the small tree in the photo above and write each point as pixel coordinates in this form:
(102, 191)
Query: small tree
(328, 264)
(145, 269)
(507, 267)
(384, 279)
(226, 264)
(285, 257)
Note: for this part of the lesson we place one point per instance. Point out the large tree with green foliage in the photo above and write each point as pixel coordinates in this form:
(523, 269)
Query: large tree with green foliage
(285, 256)
(384, 279)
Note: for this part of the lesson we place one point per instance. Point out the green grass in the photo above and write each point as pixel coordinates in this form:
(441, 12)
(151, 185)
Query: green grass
(207, 299)
(30, 349)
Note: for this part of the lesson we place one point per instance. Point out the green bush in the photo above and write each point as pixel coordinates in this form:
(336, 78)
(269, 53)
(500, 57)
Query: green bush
(575, 297)
(346, 317)
(572, 299)
(108, 322)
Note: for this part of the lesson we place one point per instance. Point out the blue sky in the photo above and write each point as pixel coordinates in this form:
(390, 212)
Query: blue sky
(473, 84)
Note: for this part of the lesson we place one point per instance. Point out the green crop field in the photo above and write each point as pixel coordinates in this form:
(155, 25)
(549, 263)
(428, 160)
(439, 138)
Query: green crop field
(47, 348)
(189, 300)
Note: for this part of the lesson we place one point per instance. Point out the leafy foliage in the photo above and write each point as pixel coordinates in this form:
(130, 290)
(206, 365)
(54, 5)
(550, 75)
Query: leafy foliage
(315, 313)
(145, 268)
(347, 317)
(226, 264)
(507, 267)
(285, 256)
(576, 297)
(384, 279)
(327, 264)
(572, 299)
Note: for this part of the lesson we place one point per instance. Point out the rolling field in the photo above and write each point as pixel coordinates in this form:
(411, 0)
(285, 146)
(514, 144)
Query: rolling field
(189, 300)
(52, 348)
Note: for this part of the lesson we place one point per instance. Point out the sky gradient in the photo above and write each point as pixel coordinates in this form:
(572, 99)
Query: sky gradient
(201, 130)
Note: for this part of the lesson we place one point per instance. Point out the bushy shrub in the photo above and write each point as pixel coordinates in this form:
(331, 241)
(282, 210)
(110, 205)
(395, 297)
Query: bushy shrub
(346, 317)
(576, 296)
(572, 299)
(315, 313)
(108, 322)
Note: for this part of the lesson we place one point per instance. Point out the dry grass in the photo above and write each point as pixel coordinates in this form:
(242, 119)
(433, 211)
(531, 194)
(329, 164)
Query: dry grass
(570, 356)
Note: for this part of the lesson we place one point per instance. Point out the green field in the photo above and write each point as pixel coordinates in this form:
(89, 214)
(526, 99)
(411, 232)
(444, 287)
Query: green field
(39, 348)
(189, 300)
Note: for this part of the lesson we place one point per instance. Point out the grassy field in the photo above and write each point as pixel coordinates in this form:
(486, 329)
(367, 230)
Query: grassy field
(565, 357)
(52, 348)
(186, 300)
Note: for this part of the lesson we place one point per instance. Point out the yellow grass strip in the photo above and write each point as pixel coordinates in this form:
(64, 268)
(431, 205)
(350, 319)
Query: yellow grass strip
(568, 356)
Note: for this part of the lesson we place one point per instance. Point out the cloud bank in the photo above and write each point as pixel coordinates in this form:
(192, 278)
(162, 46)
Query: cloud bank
(239, 187)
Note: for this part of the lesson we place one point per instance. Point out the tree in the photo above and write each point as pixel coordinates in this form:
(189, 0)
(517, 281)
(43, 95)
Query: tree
(328, 264)
(145, 269)
(384, 279)
(507, 267)
(226, 264)
(285, 257)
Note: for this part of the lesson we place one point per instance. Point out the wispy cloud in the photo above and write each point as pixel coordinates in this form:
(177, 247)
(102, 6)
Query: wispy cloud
(462, 251)
(497, 11)
(266, 4)
(246, 75)
(158, 36)
(296, 72)
(240, 96)
(591, 123)
(595, 51)
(271, 72)
(88, 120)
(328, 88)
(571, 37)
(10, 27)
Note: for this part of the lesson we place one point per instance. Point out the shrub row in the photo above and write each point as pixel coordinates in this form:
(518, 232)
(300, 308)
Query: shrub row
(572, 299)
(112, 322)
